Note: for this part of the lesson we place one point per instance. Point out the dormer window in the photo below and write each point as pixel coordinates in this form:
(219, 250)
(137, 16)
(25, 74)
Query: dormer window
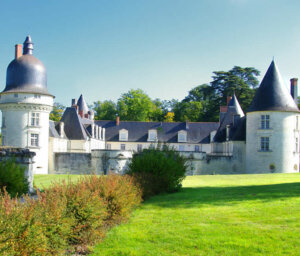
(152, 135)
(123, 135)
(182, 136)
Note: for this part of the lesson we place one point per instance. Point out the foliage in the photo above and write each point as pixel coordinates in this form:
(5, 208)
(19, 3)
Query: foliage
(105, 110)
(57, 112)
(13, 178)
(169, 117)
(135, 105)
(158, 170)
(65, 218)
(241, 81)
(256, 214)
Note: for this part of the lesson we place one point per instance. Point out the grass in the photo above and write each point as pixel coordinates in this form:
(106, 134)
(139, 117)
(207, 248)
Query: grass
(45, 180)
(215, 215)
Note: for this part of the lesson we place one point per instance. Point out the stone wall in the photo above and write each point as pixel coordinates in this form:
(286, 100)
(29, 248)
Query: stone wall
(23, 157)
(116, 161)
(72, 163)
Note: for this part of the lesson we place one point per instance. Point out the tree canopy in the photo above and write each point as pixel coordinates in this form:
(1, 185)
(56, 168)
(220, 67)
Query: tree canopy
(57, 112)
(202, 103)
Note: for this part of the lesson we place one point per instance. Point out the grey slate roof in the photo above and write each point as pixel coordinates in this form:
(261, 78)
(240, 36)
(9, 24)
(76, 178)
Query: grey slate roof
(272, 95)
(27, 73)
(167, 132)
(233, 110)
(54, 130)
(74, 129)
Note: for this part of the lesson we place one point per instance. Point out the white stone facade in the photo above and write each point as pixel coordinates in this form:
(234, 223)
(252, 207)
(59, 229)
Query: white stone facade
(25, 124)
(282, 154)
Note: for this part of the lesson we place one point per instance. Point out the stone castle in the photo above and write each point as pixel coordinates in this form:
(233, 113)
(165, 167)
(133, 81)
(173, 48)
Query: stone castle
(264, 140)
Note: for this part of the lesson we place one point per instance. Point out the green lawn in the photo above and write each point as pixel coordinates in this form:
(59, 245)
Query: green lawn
(215, 215)
(43, 181)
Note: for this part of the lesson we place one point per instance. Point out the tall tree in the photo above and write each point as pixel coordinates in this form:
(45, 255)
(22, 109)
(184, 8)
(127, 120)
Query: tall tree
(135, 105)
(241, 81)
(57, 112)
(105, 110)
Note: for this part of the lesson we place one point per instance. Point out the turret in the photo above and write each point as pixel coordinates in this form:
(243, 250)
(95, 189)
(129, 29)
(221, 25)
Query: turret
(272, 132)
(25, 104)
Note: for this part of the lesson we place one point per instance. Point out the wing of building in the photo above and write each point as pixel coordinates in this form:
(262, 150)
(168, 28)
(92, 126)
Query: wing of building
(264, 140)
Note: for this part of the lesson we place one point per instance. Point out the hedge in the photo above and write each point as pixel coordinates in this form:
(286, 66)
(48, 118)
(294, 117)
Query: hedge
(67, 218)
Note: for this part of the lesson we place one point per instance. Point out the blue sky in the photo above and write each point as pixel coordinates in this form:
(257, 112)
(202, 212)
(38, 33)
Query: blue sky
(103, 48)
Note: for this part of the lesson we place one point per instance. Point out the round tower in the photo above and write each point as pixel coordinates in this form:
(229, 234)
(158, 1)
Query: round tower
(25, 104)
(272, 128)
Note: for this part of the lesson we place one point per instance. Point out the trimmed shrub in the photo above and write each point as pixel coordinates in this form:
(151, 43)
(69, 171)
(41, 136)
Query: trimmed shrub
(66, 218)
(158, 171)
(13, 178)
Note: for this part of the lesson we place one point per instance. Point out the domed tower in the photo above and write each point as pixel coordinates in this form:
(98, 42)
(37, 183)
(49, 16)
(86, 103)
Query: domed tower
(272, 128)
(25, 104)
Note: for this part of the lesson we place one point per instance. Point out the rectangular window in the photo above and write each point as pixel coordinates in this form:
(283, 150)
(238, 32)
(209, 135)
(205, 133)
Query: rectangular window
(3, 140)
(265, 122)
(181, 137)
(264, 143)
(16, 95)
(35, 119)
(139, 147)
(37, 96)
(3, 121)
(152, 136)
(108, 146)
(197, 148)
(123, 146)
(34, 140)
(181, 148)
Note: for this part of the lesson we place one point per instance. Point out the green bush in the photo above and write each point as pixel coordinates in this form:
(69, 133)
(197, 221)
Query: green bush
(13, 178)
(158, 170)
(66, 218)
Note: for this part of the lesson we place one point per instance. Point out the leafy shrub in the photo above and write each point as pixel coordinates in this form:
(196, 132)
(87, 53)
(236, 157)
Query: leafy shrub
(13, 178)
(66, 218)
(158, 171)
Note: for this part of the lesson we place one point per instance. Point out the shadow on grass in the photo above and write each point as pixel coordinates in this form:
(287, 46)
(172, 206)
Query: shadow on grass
(195, 197)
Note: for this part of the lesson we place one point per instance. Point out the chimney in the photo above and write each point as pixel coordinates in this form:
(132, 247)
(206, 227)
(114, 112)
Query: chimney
(187, 125)
(223, 111)
(74, 102)
(18, 51)
(61, 129)
(294, 89)
(228, 99)
(227, 132)
(118, 121)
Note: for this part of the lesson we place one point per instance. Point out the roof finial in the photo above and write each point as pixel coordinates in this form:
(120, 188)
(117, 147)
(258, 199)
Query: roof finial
(28, 46)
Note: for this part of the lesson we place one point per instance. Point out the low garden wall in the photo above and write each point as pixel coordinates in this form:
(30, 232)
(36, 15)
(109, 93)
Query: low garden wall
(21, 156)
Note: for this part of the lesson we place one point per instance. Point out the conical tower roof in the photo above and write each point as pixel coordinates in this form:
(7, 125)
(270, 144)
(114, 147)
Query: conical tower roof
(233, 110)
(82, 106)
(235, 107)
(272, 95)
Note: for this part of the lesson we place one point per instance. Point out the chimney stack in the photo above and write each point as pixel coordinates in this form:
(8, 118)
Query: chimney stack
(118, 121)
(74, 102)
(18, 51)
(294, 89)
